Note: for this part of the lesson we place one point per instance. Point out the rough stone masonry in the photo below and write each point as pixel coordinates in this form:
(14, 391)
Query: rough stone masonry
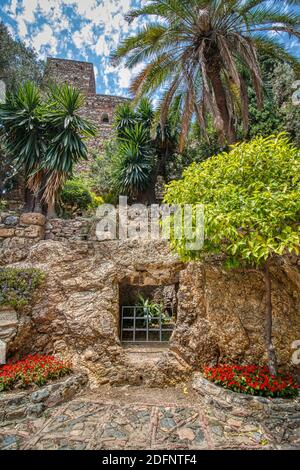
(76, 313)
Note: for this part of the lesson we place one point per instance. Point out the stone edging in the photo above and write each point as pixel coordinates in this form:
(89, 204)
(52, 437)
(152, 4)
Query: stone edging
(278, 416)
(17, 405)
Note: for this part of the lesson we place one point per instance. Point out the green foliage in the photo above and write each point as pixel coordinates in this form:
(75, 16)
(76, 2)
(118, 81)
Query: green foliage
(128, 165)
(77, 199)
(18, 63)
(100, 175)
(2, 204)
(153, 311)
(23, 129)
(43, 135)
(139, 151)
(76, 195)
(278, 113)
(134, 170)
(67, 127)
(196, 50)
(17, 285)
(251, 197)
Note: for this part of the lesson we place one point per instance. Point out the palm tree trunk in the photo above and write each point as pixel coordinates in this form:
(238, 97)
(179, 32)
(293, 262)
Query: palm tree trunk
(28, 201)
(214, 75)
(51, 213)
(38, 204)
(272, 361)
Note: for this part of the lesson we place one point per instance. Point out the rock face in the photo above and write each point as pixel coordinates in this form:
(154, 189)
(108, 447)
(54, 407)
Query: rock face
(76, 313)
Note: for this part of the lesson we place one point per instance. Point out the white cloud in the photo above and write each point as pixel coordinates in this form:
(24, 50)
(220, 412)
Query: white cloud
(84, 37)
(45, 41)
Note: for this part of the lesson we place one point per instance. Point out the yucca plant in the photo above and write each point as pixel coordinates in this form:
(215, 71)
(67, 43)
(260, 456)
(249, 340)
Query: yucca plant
(136, 162)
(199, 50)
(125, 118)
(23, 131)
(44, 137)
(66, 130)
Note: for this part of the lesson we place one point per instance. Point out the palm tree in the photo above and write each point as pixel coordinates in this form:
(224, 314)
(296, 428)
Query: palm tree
(199, 51)
(44, 138)
(135, 164)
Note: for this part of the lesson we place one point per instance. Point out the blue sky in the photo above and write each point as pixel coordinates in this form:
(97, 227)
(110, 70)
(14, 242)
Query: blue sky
(79, 29)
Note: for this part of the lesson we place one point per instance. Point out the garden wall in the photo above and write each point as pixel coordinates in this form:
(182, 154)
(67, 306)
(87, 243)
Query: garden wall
(279, 418)
(17, 405)
(76, 313)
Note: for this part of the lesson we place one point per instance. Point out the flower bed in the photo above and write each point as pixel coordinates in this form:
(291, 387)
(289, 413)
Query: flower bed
(253, 380)
(33, 370)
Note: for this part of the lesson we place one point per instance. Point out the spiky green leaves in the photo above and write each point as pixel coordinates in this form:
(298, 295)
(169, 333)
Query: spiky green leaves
(195, 48)
(44, 136)
(134, 170)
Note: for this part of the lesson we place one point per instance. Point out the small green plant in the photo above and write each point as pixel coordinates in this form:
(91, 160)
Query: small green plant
(17, 286)
(153, 311)
(2, 204)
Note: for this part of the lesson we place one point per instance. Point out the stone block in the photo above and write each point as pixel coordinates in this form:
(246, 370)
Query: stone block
(7, 232)
(19, 232)
(11, 220)
(2, 352)
(40, 395)
(33, 218)
(34, 231)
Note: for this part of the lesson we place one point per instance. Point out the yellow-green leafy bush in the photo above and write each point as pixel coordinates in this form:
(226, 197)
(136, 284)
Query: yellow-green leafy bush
(251, 198)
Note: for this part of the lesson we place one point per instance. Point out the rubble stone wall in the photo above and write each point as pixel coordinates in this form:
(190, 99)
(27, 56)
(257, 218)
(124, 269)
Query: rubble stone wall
(76, 313)
(278, 417)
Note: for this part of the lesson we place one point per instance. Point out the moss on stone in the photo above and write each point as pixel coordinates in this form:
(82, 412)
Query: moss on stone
(17, 286)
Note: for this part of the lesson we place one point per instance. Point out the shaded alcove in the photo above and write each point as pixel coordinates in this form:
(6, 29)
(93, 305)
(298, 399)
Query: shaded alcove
(147, 313)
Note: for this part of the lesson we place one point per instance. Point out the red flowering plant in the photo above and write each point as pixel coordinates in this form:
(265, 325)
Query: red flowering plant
(32, 370)
(253, 380)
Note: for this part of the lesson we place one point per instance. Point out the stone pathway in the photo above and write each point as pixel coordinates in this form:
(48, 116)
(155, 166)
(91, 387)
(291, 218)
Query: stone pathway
(130, 418)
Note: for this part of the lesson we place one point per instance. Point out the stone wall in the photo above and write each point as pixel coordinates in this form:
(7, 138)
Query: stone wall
(76, 73)
(25, 226)
(220, 314)
(17, 405)
(279, 418)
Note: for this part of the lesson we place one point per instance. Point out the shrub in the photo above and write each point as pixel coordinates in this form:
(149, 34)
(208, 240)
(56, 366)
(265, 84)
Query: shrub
(252, 210)
(76, 196)
(253, 380)
(96, 200)
(17, 285)
(32, 370)
(2, 204)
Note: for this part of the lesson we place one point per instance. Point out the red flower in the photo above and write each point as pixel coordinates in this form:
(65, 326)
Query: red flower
(32, 370)
(253, 379)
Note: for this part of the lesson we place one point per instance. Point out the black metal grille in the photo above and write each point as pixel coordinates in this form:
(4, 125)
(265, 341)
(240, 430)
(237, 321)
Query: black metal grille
(138, 325)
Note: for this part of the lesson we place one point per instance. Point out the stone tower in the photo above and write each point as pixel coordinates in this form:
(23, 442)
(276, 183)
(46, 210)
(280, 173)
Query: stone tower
(98, 108)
